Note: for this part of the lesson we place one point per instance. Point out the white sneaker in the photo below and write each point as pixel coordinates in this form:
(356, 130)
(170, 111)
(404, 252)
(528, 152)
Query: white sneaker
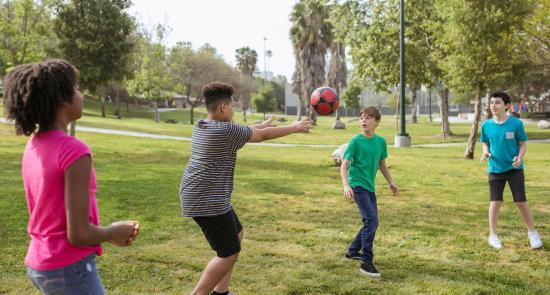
(534, 239)
(494, 241)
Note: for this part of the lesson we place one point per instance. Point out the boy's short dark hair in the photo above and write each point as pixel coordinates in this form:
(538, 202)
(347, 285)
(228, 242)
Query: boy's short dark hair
(372, 112)
(501, 94)
(214, 92)
(35, 92)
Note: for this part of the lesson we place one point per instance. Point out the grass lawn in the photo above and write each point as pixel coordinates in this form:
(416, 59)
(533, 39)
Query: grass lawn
(431, 238)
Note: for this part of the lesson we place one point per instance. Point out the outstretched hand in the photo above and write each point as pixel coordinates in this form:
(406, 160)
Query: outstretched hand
(268, 122)
(303, 126)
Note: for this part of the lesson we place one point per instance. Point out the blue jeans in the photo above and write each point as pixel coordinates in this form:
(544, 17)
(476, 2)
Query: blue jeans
(80, 277)
(366, 202)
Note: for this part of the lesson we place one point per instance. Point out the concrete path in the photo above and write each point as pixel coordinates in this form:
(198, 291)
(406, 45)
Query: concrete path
(181, 138)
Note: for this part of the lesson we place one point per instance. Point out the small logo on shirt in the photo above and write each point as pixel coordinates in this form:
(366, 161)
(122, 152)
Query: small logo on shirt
(509, 135)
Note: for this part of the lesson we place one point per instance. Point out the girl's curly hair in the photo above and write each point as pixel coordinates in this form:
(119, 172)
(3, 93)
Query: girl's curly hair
(34, 93)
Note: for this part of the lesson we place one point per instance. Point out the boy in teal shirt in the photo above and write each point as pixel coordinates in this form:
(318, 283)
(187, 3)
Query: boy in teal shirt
(503, 139)
(365, 154)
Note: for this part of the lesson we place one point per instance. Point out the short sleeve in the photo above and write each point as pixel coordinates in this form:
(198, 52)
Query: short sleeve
(350, 150)
(520, 132)
(483, 135)
(71, 150)
(237, 136)
(384, 153)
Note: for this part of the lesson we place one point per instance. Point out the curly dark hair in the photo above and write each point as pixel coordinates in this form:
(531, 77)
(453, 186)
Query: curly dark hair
(214, 92)
(35, 92)
(502, 95)
(372, 112)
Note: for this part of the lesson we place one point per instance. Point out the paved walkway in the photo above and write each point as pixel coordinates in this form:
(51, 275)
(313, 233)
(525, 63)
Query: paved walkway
(181, 138)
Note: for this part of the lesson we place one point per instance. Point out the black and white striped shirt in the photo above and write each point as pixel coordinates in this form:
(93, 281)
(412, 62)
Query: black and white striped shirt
(207, 182)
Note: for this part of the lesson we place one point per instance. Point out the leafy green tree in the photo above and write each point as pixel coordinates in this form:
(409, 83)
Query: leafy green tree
(481, 47)
(532, 76)
(371, 29)
(351, 96)
(264, 99)
(246, 63)
(98, 38)
(197, 68)
(151, 79)
(26, 32)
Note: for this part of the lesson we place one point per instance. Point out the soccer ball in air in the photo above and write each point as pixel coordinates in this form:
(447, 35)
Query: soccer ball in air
(325, 100)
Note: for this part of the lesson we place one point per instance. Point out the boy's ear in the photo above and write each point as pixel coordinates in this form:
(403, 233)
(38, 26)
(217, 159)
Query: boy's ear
(222, 106)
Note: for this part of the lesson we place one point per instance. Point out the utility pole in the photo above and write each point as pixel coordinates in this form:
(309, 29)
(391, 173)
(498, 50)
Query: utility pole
(402, 139)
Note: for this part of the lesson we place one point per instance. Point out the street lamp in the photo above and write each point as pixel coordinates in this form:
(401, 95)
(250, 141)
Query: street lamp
(402, 139)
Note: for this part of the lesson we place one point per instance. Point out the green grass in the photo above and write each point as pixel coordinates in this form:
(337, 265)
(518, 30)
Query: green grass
(431, 238)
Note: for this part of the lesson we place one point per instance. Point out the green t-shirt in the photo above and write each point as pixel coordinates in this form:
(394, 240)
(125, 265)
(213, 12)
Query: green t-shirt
(364, 155)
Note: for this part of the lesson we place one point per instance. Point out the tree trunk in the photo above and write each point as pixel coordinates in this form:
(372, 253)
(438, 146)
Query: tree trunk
(444, 111)
(127, 106)
(117, 106)
(414, 103)
(299, 109)
(157, 114)
(487, 111)
(470, 148)
(244, 115)
(103, 107)
(72, 128)
(191, 109)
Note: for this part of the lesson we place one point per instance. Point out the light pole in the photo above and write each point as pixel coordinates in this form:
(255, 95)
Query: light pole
(402, 139)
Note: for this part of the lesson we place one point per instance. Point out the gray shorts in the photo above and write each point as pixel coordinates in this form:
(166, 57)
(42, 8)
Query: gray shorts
(516, 181)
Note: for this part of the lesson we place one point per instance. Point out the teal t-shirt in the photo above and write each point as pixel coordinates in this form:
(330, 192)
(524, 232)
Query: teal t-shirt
(364, 155)
(503, 142)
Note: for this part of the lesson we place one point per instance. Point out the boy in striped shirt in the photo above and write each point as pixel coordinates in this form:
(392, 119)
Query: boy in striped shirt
(207, 182)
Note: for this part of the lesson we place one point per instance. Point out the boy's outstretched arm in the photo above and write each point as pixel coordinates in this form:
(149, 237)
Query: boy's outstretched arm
(386, 172)
(259, 135)
(348, 191)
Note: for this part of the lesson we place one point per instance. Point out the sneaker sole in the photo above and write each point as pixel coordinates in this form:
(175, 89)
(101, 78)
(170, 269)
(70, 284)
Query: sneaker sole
(534, 248)
(370, 274)
(353, 258)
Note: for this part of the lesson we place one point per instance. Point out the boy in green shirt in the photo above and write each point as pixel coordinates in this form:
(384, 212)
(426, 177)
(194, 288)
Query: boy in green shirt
(365, 154)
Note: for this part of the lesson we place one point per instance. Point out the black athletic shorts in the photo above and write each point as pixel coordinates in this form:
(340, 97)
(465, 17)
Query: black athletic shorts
(516, 181)
(222, 232)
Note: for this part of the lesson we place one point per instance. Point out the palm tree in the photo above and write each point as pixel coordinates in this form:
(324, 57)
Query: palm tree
(310, 34)
(246, 63)
(337, 71)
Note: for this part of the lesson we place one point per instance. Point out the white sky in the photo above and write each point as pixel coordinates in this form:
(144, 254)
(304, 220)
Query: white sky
(226, 25)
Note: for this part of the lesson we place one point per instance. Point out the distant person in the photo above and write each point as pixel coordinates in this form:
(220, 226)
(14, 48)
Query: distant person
(365, 154)
(59, 180)
(207, 183)
(504, 145)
